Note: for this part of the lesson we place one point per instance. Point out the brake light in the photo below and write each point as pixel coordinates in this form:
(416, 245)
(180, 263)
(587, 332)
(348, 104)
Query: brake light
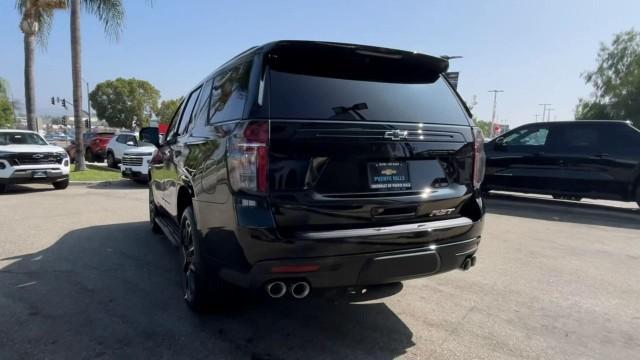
(479, 157)
(248, 157)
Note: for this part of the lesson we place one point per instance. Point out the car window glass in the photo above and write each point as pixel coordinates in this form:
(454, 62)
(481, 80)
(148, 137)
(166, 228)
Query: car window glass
(202, 108)
(229, 93)
(175, 121)
(120, 139)
(527, 137)
(618, 139)
(580, 139)
(188, 111)
(299, 96)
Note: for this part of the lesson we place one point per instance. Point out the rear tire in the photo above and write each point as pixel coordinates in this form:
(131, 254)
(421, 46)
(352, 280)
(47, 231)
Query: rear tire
(3, 188)
(637, 195)
(88, 155)
(61, 185)
(202, 291)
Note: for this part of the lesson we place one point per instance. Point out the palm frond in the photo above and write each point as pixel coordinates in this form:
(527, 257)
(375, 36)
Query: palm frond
(44, 18)
(109, 12)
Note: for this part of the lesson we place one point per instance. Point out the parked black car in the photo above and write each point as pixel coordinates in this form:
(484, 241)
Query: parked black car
(570, 159)
(309, 165)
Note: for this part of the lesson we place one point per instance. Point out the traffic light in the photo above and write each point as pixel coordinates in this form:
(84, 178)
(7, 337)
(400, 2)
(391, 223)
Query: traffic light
(64, 103)
(86, 123)
(64, 120)
(53, 101)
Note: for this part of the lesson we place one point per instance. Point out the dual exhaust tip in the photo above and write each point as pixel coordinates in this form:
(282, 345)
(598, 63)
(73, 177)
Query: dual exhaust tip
(298, 290)
(468, 263)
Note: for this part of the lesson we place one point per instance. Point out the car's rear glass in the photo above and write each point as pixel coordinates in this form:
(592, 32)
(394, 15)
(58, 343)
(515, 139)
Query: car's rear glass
(21, 138)
(298, 96)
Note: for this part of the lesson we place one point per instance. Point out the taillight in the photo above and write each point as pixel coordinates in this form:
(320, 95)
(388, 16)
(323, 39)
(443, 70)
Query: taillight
(248, 157)
(479, 157)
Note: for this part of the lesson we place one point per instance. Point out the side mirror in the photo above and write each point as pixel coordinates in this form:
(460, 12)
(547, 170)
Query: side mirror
(131, 143)
(498, 143)
(150, 135)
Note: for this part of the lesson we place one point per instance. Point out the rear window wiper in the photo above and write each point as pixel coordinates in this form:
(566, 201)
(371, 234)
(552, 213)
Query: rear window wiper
(355, 109)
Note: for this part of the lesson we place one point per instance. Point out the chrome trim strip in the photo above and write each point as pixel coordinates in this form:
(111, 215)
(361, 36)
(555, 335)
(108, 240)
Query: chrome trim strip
(468, 251)
(457, 242)
(404, 255)
(396, 229)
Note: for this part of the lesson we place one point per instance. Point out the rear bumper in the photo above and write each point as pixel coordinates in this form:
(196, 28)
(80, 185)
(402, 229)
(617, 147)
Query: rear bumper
(367, 260)
(362, 269)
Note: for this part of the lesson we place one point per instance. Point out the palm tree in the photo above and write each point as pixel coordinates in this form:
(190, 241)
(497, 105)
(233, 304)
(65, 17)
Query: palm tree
(111, 14)
(36, 23)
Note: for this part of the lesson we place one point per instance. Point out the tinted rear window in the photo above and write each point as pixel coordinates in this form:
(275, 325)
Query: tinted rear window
(298, 96)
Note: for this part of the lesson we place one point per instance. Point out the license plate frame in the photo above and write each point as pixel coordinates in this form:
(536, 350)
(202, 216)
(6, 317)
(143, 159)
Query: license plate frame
(388, 175)
(39, 174)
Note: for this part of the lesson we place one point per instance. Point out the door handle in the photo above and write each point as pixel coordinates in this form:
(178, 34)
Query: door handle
(601, 155)
(539, 153)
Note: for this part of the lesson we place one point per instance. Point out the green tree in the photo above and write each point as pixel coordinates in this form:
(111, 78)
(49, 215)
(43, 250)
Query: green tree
(121, 101)
(167, 109)
(485, 126)
(615, 81)
(6, 107)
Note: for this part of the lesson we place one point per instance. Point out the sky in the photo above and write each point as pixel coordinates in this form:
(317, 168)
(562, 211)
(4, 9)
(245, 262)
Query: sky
(535, 51)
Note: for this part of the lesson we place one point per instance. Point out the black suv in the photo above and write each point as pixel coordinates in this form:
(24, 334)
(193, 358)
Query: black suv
(570, 160)
(300, 166)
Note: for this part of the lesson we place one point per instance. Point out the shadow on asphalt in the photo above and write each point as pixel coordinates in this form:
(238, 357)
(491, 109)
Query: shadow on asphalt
(563, 211)
(124, 184)
(21, 189)
(114, 291)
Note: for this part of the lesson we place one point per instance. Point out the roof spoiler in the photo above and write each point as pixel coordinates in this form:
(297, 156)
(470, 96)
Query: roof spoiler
(354, 62)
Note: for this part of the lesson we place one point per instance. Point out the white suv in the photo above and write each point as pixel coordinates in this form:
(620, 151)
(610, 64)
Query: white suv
(135, 162)
(25, 157)
(118, 145)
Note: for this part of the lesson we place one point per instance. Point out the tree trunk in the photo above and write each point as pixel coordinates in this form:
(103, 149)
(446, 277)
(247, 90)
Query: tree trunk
(29, 80)
(76, 75)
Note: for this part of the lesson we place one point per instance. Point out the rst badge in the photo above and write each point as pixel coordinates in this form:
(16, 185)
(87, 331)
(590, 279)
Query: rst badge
(442, 212)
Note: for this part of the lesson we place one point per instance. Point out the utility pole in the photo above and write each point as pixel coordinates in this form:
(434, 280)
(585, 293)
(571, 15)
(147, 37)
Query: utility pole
(493, 116)
(544, 110)
(536, 116)
(549, 114)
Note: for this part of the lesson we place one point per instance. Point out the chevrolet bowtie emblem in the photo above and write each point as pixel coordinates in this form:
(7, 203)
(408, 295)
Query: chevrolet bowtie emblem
(388, 172)
(38, 156)
(396, 134)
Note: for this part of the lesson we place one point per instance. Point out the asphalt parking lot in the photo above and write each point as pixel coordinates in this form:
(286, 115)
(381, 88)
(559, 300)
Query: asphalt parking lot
(82, 276)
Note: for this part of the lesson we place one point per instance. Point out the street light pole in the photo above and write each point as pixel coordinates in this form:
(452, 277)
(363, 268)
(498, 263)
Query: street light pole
(88, 103)
(493, 116)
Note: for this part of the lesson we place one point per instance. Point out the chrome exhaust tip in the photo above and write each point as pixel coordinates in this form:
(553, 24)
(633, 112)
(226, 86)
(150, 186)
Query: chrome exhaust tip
(300, 289)
(276, 289)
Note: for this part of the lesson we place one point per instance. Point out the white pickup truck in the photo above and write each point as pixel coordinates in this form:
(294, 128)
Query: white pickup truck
(25, 157)
(135, 162)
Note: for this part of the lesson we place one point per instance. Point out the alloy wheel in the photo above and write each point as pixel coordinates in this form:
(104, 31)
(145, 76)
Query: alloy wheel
(188, 252)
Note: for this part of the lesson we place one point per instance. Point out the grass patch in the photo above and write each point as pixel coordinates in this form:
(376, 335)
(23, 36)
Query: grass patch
(93, 175)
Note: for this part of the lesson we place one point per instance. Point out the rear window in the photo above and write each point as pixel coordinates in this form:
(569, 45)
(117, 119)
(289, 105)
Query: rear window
(299, 96)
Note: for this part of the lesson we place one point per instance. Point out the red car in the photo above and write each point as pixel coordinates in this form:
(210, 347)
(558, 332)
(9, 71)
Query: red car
(95, 145)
